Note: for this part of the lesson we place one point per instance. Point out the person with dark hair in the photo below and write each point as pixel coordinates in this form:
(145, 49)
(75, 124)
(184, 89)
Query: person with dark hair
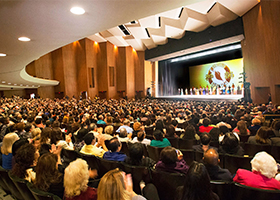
(24, 159)
(205, 126)
(100, 120)
(160, 126)
(171, 160)
(256, 124)
(48, 178)
(211, 161)
(204, 145)
(141, 138)
(39, 123)
(170, 131)
(28, 128)
(159, 141)
(197, 184)
(215, 133)
(114, 146)
(136, 156)
(190, 133)
(262, 136)
(91, 149)
(241, 128)
(230, 145)
(46, 135)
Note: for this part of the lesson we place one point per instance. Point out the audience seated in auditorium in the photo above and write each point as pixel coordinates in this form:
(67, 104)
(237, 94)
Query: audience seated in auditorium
(197, 184)
(57, 139)
(100, 120)
(204, 145)
(75, 182)
(215, 133)
(91, 148)
(24, 162)
(211, 161)
(6, 150)
(116, 185)
(241, 128)
(137, 126)
(262, 136)
(171, 160)
(141, 138)
(231, 145)
(108, 132)
(190, 133)
(264, 169)
(114, 146)
(159, 140)
(46, 136)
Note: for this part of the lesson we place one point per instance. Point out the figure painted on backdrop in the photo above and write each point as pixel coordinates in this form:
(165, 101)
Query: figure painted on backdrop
(186, 91)
(200, 90)
(203, 91)
(191, 91)
(232, 87)
(207, 89)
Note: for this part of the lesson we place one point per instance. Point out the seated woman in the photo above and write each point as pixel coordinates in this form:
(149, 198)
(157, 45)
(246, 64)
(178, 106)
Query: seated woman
(25, 160)
(190, 133)
(264, 169)
(197, 184)
(136, 156)
(241, 128)
(171, 160)
(75, 182)
(159, 141)
(230, 145)
(48, 178)
(6, 150)
(57, 139)
(262, 136)
(141, 138)
(115, 185)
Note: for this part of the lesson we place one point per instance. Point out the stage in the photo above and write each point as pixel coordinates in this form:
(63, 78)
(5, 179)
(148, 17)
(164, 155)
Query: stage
(203, 97)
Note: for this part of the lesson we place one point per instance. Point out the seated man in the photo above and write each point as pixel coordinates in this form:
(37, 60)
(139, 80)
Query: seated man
(114, 147)
(264, 169)
(211, 161)
(126, 125)
(91, 149)
(205, 139)
(123, 136)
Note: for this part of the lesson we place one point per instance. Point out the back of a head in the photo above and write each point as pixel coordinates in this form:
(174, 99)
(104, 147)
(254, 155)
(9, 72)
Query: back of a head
(8, 142)
(158, 135)
(206, 122)
(224, 129)
(197, 180)
(141, 135)
(263, 134)
(230, 142)
(205, 138)
(76, 178)
(214, 133)
(256, 121)
(136, 151)
(89, 138)
(168, 155)
(126, 122)
(112, 187)
(109, 130)
(123, 133)
(92, 127)
(136, 126)
(17, 144)
(113, 144)
(211, 157)
(265, 164)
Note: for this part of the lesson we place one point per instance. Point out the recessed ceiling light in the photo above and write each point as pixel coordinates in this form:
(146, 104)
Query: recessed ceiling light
(3, 81)
(15, 84)
(9, 83)
(77, 10)
(2, 54)
(21, 85)
(24, 39)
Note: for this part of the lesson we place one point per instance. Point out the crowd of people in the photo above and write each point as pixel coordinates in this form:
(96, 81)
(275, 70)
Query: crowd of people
(33, 132)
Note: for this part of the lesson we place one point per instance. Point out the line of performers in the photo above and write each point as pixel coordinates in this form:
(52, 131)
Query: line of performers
(213, 90)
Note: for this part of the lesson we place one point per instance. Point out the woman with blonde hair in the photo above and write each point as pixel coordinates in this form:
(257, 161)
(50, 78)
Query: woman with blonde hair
(75, 182)
(6, 150)
(115, 185)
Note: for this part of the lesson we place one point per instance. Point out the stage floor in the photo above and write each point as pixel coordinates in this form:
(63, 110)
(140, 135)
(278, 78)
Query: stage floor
(203, 97)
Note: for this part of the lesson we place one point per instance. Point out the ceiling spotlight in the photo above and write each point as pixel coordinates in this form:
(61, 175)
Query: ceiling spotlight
(3, 81)
(15, 84)
(24, 39)
(2, 54)
(77, 10)
(9, 83)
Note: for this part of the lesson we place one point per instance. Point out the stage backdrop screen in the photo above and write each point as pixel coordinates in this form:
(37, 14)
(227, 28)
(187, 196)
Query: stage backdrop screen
(216, 74)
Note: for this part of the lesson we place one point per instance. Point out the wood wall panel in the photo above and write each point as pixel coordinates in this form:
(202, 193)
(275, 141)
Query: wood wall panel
(10, 93)
(121, 68)
(111, 62)
(139, 58)
(58, 72)
(102, 78)
(70, 70)
(261, 48)
(148, 76)
(130, 73)
(30, 69)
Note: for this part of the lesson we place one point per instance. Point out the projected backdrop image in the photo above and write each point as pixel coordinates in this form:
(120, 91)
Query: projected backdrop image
(216, 74)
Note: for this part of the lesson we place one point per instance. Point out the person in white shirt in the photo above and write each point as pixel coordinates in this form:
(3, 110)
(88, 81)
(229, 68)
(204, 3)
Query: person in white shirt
(141, 138)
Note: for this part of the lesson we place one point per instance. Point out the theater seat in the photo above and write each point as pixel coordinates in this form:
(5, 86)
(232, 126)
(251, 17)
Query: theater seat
(242, 192)
(252, 149)
(69, 156)
(22, 187)
(222, 189)
(91, 160)
(188, 155)
(174, 142)
(7, 180)
(41, 195)
(106, 165)
(125, 148)
(167, 183)
(154, 152)
(186, 144)
(138, 173)
(233, 162)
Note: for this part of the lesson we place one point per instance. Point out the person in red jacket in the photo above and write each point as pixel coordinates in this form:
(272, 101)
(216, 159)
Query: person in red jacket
(205, 127)
(264, 169)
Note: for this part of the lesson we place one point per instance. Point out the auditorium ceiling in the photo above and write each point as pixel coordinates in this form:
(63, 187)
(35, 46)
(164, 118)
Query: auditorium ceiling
(142, 24)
